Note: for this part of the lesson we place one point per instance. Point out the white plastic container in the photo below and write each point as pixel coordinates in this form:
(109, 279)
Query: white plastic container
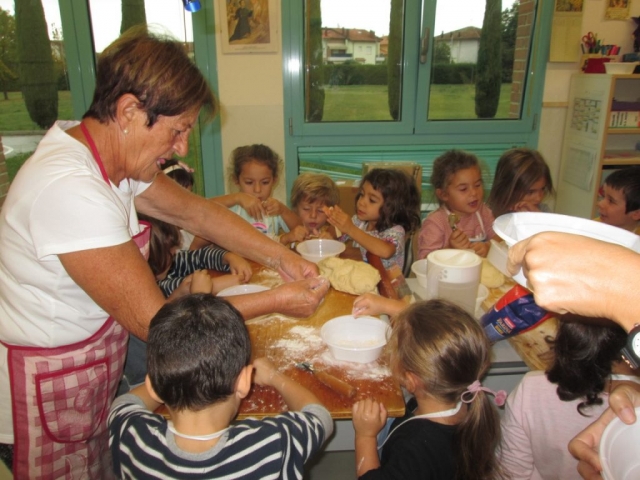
(319, 249)
(620, 68)
(419, 269)
(513, 227)
(619, 450)
(241, 290)
(454, 275)
(353, 339)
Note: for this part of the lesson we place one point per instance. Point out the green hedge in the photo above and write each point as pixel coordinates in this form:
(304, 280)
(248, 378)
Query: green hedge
(453, 73)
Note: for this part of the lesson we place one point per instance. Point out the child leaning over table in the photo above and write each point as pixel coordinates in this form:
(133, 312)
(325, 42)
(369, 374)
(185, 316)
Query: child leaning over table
(198, 363)
(619, 203)
(311, 194)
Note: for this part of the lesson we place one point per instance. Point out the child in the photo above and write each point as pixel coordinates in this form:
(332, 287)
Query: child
(521, 182)
(619, 204)
(387, 209)
(199, 351)
(463, 220)
(176, 171)
(440, 353)
(546, 410)
(310, 195)
(254, 168)
(179, 272)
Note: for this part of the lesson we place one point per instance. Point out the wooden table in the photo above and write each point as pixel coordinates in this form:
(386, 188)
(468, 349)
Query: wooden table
(286, 341)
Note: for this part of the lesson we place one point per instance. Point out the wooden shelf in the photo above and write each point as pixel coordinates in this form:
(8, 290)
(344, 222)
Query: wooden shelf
(621, 157)
(622, 131)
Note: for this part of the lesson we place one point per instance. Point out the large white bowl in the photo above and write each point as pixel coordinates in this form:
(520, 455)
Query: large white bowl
(620, 68)
(319, 249)
(619, 450)
(513, 227)
(241, 290)
(419, 269)
(353, 339)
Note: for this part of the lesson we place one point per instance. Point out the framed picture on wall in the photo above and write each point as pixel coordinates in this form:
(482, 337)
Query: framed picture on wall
(250, 26)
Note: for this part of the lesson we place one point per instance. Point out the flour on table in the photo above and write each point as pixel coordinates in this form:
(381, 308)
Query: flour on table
(369, 371)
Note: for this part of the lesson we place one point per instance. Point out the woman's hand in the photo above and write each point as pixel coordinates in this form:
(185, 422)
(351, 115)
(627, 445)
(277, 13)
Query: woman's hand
(584, 447)
(252, 205)
(459, 240)
(292, 266)
(339, 219)
(238, 266)
(372, 304)
(200, 282)
(577, 274)
(369, 417)
(300, 299)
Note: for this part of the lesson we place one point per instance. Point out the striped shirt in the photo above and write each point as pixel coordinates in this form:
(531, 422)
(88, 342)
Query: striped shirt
(275, 447)
(185, 262)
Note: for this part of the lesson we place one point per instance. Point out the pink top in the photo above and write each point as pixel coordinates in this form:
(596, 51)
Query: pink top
(435, 231)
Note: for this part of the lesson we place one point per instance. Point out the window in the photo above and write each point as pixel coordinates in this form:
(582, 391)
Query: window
(433, 75)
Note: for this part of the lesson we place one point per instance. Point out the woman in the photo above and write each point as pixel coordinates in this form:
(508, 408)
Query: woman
(73, 283)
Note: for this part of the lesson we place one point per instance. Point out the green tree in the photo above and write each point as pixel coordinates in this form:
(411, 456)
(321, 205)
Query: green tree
(442, 53)
(489, 74)
(133, 13)
(509, 30)
(8, 52)
(315, 81)
(37, 77)
(394, 58)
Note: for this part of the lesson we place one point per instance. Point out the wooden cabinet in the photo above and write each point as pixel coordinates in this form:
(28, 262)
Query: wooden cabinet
(592, 148)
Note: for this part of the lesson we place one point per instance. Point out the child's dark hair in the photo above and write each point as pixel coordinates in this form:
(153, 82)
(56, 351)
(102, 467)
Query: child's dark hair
(628, 180)
(583, 354)
(401, 204)
(517, 170)
(164, 237)
(447, 164)
(313, 187)
(197, 347)
(447, 350)
(175, 171)
(257, 152)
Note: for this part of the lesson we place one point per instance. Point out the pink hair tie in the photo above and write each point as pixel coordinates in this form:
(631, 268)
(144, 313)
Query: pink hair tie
(472, 390)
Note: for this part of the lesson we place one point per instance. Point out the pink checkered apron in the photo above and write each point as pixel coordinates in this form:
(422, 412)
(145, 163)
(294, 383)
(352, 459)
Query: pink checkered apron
(61, 398)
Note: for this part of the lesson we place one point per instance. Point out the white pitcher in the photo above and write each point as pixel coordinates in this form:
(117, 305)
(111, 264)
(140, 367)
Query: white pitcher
(454, 275)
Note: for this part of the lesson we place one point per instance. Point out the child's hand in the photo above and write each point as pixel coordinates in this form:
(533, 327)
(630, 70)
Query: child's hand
(252, 205)
(369, 417)
(225, 281)
(238, 266)
(526, 207)
(299, 233)
(459, 240)
(200, 282)
(481, 248)
(273, 207)
(372, 304)
(339, 219)
(265, 371)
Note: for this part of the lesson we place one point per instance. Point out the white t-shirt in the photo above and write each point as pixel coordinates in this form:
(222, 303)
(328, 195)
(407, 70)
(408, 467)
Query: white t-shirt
(58, 203)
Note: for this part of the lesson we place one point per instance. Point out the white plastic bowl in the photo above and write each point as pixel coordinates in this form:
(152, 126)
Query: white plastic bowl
(419, 269)
(619, 450)
(353, 339)
(241, 290)
(319, 249)
(620, 68)
(513, 227)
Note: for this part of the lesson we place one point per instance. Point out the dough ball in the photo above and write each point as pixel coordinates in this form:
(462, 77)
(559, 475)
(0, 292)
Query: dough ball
(490, 277)
(349, 276)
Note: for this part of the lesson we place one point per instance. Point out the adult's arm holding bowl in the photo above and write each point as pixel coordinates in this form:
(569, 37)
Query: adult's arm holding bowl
(206, 218)
(577, 274)
(584, 447)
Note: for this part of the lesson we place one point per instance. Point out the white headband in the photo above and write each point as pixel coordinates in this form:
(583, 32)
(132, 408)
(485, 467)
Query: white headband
(177, 166)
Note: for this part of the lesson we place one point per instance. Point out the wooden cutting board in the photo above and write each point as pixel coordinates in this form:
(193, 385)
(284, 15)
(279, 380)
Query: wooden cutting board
(532, 346)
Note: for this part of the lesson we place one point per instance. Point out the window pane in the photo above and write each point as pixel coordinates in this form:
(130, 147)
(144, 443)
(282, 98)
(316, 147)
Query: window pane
(167, 16)
(34, 89)
(476, 72)
(352, 60)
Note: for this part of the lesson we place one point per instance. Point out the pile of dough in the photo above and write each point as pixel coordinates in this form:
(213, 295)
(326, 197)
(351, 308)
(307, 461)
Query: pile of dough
(349, 276)
(490, 277)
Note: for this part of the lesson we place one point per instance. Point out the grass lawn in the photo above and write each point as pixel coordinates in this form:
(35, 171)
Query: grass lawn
(370, 103)
(14, 115)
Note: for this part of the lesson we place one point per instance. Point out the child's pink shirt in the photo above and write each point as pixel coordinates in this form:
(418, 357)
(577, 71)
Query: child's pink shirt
(435, 231)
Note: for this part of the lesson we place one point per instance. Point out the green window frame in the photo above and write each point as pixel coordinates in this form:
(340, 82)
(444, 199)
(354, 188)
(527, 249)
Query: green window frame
(345, 145)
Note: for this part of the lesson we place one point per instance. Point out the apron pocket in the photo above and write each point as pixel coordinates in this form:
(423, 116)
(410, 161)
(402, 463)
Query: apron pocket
(73, 402)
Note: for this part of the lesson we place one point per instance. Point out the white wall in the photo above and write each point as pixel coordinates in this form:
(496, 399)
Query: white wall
(251, 91)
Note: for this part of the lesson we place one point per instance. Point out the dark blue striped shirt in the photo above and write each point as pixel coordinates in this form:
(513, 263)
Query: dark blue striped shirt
(185, 262)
